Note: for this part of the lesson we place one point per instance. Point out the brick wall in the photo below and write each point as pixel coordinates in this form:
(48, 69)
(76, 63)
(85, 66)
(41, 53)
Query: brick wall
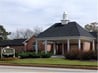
(30, 43)
(86, 46)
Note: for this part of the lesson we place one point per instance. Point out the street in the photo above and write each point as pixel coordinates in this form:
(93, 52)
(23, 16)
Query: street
(9, 69)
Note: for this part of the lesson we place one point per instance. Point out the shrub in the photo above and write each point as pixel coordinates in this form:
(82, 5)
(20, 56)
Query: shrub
(28, 55)
(23, 55)
(44, 55)
(72, 54)
(95, 55)
(86, 55)
(80, 55)
(16, 54)
(34, 55)
(90, 55)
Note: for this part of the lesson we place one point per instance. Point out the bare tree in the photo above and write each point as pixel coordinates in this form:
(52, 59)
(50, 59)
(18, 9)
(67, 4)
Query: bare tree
(26, 33)
(37, 30)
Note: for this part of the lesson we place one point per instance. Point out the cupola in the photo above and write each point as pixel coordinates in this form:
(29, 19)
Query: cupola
(65, 18)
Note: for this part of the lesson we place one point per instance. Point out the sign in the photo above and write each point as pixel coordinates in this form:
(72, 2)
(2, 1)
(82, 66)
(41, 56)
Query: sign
(7, 51)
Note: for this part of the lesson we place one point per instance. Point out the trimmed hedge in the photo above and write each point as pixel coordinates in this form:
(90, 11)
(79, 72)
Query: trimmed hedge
(34, 55)
(28, 55)
(44, 55)
(23, 55)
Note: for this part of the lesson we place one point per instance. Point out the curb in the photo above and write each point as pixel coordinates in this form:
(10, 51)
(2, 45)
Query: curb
(54, 66)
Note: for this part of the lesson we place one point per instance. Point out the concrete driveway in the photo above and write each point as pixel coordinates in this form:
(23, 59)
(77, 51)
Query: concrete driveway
(42, 69)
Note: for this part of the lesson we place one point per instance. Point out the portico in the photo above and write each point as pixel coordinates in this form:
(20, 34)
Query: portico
(63, 45)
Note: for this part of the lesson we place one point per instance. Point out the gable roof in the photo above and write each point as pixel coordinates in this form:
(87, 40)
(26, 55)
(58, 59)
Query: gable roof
(33, 37)
(66, 30)
(15, 42)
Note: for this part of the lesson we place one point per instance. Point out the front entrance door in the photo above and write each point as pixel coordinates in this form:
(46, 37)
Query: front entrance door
(58, 49)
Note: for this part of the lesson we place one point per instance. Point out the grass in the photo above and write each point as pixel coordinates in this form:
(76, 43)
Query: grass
(51, 61)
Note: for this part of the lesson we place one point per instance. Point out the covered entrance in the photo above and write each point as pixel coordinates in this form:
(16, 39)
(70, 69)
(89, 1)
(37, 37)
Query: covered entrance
(58, 49)
(62, 46)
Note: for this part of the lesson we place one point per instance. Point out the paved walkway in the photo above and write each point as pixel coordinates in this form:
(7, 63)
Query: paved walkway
(42, 69)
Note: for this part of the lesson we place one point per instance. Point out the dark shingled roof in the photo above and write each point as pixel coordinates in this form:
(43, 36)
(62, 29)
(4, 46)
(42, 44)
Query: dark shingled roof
(15, 42)
(94, 34)
(60, 30)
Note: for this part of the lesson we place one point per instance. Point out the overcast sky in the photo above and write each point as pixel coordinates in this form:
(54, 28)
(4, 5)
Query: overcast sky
(23, 14)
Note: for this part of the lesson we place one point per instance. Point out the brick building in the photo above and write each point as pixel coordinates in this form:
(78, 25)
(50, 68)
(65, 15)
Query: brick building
(65, 36)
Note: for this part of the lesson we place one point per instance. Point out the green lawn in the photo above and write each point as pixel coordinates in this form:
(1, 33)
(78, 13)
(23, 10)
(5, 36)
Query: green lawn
(54, 61)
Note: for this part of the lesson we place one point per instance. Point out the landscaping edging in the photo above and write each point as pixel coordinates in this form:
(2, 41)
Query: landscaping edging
(54, 66)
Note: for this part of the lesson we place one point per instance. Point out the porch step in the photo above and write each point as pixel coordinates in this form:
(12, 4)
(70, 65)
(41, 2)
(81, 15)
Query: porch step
(57, 56)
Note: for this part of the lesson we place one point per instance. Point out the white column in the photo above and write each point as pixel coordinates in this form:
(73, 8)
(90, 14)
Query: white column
(46, 46)
(62, 48)
(14, 53)
(54, 49)
(36, 47)
(79, 44)
(68, 45)
(93, 45)
(25, 46)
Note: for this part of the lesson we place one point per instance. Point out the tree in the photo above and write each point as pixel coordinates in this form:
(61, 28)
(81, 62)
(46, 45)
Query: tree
(37, 30)
(92, 27)
(3, 33)
(27, 33)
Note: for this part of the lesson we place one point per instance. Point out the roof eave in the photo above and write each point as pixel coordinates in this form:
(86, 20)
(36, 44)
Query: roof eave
(66, 37)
